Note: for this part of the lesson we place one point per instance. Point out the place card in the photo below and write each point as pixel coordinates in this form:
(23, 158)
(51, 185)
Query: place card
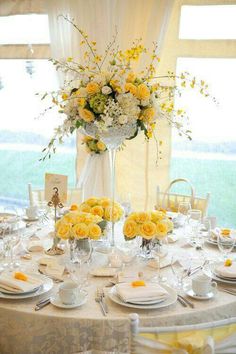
(58, 181)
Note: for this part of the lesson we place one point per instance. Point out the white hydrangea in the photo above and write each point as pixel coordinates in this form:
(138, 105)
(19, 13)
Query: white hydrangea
(123, 119)
(129, 104)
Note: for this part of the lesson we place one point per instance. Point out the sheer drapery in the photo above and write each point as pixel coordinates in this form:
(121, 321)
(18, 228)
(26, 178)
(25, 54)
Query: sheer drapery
(17, 7)
(137, 170)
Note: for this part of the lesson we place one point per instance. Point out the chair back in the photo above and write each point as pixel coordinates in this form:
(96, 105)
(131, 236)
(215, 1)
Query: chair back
(170, 201)
(217, 337)
(74, 196)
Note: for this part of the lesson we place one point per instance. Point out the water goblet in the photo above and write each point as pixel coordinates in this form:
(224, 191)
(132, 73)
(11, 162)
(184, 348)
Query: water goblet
(180, 265)
(192, 226)
(183, 210)
(225, 243)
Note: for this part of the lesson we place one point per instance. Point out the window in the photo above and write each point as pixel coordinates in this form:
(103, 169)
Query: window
(33, 29)
(208, 22)
(209, 161)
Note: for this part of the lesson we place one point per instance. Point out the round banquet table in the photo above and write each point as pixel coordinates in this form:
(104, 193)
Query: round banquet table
(84, 329)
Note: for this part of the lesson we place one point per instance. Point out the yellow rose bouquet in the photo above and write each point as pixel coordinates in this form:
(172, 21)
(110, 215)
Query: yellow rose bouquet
(102, 207)
(149, 225)
(93, 146)
(79, 225)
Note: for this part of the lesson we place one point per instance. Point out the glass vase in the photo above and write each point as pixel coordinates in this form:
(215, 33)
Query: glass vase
(146, 248)
(80, 250)
(112, 137)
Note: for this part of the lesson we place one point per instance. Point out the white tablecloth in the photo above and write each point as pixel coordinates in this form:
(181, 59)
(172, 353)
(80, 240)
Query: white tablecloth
(53, 330)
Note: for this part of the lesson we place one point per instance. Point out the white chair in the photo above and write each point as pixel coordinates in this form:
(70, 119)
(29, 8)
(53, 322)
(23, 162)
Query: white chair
(218, 337)
(170, 201)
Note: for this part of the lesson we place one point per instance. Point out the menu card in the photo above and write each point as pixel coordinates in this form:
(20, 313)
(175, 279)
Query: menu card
(58, 181)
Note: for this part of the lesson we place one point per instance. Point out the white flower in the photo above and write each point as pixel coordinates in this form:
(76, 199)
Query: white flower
(106, 90)
(129, 104)
(123, 119)
(82, 92)
(145, 103)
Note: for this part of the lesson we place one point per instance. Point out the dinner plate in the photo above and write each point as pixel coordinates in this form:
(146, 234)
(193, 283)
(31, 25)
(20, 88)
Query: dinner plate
(149, 302)
(47, 286)
(25, 218)
(217, 277)
(4, 291)
(214, 242)
(171, 299)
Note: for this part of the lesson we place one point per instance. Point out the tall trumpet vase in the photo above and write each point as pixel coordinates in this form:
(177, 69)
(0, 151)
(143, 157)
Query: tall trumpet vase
(112, 137)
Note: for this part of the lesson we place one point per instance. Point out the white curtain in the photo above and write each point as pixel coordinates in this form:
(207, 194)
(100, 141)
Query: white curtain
(137, 171)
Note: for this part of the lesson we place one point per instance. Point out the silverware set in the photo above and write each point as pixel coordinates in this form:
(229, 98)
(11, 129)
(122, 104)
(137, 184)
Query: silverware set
(185, 302)
(100, 299)
(41, 304)
(227, 290)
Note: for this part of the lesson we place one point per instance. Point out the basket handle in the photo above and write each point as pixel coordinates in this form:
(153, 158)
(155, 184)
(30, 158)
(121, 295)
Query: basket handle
(176, 181)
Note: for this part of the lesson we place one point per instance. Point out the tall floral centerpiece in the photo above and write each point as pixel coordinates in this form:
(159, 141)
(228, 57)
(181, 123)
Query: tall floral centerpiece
(151, 226)
(107, 98)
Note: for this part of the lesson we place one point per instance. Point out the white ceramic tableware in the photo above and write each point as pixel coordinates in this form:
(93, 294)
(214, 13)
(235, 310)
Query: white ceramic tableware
(80, 300)
(203, 284)
(32, 212)
(189, 291)
(69, 292)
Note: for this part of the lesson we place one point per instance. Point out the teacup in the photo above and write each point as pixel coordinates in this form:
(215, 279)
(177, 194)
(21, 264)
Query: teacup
(202, 285)
(69, 292)
(32, 212)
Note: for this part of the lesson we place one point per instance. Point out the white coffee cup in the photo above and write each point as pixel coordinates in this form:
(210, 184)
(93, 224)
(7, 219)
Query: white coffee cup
(69, 292)
(202, 285)
(32, 212)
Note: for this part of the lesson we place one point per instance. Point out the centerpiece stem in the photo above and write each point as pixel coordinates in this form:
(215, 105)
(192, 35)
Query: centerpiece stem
(112, 157)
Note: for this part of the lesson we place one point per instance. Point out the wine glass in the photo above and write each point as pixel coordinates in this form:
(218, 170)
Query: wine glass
(225, 243)
(183, 210)
(180, 265)
(158, 253)
(192, 226)
(11, 238)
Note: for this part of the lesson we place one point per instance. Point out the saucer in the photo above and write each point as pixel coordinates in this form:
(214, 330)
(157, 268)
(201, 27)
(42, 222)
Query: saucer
(189, 291)
(56, 301)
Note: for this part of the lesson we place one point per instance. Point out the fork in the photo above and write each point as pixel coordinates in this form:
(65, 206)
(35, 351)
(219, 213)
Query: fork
(101, 294)
(99, 301)
(186, 301)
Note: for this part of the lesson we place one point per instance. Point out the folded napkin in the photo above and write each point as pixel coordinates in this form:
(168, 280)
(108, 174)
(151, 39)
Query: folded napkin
(128, 276)
(8, 282)
(149, 292)
(227, 272)
(103, 272)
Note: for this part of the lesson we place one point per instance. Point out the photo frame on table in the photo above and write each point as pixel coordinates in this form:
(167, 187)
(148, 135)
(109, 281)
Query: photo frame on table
(56, 181)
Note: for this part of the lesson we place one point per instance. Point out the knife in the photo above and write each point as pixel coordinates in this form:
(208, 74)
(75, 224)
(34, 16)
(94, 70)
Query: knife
(42, 304)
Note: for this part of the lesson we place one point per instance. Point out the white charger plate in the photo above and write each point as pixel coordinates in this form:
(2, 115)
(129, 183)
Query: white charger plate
(189, 291)
(47, 286)
(19, 293)
(56, 301)
(171, 299)
(219, 278)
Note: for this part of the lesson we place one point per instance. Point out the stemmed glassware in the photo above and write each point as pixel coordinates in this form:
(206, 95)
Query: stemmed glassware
(192, 227)
(181, 266)
(157, 253)
(183, 210)
(225, 243)
(11, 238)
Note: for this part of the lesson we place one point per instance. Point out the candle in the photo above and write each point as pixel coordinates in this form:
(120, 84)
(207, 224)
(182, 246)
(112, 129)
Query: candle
(31, 202)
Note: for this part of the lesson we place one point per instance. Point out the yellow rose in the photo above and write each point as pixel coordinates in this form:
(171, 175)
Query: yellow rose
(86, 115)
(97, 210)
(74, 207)
(169, 224)
(142, 217)
(80, 230)
(101, 146)
(64, 230)
(143, 92)
(157, 216)
(148, 115)
(92, 88)
(94, 231)
(161, 230)
(130, 228)
(81, 102)
(131, 88)
(147, 230)
(105, 202)
(70, 217)
(85, 208)
(132, 216)
(92, 201)
(131, 77)
(112, 214)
